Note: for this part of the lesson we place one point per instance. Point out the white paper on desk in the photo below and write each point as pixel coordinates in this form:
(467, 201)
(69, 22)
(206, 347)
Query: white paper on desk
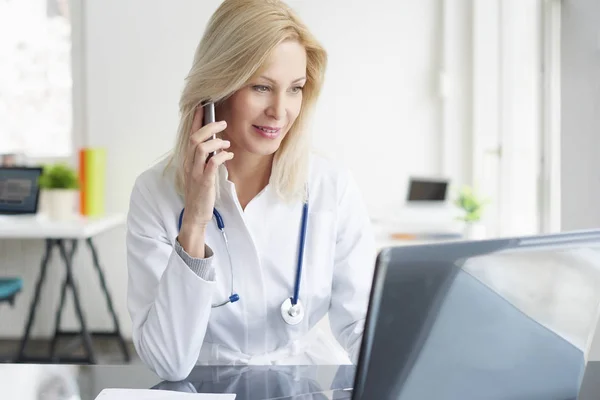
(151, 394)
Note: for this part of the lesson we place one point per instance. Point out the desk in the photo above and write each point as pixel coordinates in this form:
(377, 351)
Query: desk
(392, 232)
(249, 383)
(65, 236)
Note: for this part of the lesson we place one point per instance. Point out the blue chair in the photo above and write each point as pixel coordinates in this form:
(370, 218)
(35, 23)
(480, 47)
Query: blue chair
(9, 287)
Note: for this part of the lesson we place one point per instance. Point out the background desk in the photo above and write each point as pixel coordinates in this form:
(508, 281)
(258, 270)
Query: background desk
(249, 383)
(64, 235)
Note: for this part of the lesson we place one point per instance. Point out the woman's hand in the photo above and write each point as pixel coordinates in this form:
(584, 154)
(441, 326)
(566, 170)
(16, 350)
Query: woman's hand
(200, 177)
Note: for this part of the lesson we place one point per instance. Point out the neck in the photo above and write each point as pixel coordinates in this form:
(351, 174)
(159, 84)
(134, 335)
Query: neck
(250, 173)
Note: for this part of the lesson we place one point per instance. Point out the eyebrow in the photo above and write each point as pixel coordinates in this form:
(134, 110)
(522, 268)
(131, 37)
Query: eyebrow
(271, 80)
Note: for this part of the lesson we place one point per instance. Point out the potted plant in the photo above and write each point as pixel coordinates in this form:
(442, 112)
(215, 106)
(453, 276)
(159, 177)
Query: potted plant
(59, 184)
(472, 208)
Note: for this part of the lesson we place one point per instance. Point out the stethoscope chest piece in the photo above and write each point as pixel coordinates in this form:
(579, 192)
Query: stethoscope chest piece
(292, 314)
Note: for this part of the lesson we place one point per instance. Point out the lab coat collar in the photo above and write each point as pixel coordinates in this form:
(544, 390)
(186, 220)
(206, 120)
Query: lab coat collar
(223, 177)
(227, 188)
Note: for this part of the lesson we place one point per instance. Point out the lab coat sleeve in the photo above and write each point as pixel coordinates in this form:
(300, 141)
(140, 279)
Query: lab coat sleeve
(355, 256)
(168, 303)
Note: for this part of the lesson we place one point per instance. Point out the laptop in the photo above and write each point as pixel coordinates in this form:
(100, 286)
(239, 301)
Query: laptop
(19, 190)
(496, 319)
(427, 190)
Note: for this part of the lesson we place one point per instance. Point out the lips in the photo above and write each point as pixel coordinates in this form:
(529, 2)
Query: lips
(269, 132)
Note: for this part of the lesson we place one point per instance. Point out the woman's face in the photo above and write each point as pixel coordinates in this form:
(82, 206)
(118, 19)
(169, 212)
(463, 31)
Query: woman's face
(260, 114)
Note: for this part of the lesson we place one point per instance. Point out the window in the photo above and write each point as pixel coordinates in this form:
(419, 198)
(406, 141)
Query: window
(36, 106)
(515, 79)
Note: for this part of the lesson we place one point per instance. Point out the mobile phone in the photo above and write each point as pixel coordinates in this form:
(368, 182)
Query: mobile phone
(209, 117)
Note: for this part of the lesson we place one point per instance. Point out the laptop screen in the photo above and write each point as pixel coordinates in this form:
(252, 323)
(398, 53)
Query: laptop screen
(19, 190)
(421, 190)
(499, 319)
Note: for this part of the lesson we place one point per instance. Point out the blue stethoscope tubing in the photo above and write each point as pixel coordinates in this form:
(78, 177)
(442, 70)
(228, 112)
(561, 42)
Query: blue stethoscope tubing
(300, 253)
(233, 297)
(291, 310)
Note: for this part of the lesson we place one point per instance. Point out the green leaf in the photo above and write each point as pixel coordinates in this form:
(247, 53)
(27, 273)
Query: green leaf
(472, 206)
(59, 176)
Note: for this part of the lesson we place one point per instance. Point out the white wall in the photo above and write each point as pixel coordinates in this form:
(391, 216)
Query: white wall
(580, 127)
(580, 114)
(380, 113)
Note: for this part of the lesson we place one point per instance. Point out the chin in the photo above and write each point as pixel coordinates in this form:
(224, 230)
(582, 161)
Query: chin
(263, 149)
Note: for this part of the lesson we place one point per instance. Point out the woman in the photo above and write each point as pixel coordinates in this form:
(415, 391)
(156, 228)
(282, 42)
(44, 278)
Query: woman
(263, 70)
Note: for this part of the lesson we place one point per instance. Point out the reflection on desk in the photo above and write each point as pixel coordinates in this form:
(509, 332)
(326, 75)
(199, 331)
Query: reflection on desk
(32, 382)
(260, 382)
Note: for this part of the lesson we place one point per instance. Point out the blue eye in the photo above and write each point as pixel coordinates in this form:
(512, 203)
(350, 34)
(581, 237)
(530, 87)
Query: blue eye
(297, 89)
(261, 88)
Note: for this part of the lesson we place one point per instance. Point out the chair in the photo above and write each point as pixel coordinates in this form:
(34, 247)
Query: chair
(9, 287)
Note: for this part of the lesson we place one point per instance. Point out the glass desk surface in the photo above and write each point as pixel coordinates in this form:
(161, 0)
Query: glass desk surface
(46, 381)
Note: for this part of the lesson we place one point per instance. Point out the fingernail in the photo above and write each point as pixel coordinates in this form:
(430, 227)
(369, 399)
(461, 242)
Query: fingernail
(223, 123)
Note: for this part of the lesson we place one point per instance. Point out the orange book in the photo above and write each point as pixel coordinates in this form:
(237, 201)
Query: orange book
(403, 236)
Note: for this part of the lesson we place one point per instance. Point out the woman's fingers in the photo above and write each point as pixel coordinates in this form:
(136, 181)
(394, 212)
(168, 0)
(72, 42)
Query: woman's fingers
(202, 152)
(196, 125)
(205, 148)
(205, 172)
(199, 137)
(214, 162)
(197, 121)
(207, 131)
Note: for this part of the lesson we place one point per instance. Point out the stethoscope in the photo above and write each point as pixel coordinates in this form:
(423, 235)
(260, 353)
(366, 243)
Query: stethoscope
(292, 310)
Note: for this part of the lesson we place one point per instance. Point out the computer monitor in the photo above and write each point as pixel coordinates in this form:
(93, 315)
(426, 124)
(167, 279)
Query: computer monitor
(427, 190)
(19, 190)
(497, 319)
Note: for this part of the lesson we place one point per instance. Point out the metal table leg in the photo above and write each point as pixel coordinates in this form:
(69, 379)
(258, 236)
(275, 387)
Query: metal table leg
(68, 259)
(63, 292)
(36, 298)
(67, 255)
(117, 331)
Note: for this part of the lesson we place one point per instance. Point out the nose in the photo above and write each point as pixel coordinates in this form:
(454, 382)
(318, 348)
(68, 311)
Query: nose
(277, 107)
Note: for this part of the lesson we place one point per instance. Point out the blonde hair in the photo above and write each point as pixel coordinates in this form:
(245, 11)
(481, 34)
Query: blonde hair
(238, 40)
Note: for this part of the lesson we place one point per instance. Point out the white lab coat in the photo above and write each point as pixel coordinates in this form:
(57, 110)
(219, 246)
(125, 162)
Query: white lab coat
(174, 326)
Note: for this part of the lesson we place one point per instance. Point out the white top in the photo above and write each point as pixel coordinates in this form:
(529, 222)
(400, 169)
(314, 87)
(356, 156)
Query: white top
(41, 227)
(174, 326)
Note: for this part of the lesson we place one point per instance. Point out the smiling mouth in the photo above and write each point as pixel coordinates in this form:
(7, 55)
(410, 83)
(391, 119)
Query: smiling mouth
(267, 132)
(266, 129)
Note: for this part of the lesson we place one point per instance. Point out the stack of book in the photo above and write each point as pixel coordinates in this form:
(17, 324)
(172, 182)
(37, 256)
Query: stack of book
(92, 177)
